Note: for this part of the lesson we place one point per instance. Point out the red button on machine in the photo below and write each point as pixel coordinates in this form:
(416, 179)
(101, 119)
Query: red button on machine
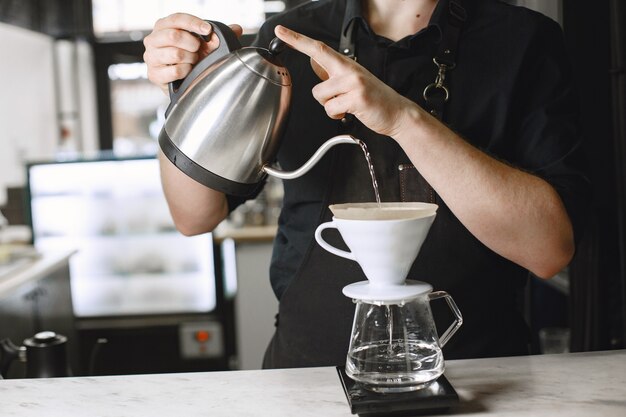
(202, 336)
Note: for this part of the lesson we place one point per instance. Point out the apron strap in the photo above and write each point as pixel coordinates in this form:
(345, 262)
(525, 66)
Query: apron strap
(437, 93)
(347, 44)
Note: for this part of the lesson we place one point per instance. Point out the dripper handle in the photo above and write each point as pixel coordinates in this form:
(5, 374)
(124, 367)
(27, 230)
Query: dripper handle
(330, 248)
(228, 43)
(455, 310)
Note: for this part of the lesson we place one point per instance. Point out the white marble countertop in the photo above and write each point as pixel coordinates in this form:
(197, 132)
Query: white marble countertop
(587, 384)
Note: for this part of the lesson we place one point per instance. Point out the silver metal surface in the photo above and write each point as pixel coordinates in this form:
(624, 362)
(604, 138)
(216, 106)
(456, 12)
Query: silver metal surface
(229, 119)
(313, 160)
(274, 73)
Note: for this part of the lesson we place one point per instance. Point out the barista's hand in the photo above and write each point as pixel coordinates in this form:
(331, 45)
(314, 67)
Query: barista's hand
(347, 87)
(172, 49)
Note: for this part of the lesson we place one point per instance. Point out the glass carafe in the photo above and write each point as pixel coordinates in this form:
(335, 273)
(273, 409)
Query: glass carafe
(394, 345)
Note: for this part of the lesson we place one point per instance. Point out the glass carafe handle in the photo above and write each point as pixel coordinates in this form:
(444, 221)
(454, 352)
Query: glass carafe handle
(455, 310)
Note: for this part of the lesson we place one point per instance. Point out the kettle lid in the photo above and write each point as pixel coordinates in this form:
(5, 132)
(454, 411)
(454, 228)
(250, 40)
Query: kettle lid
(265, 64)
(44, 339)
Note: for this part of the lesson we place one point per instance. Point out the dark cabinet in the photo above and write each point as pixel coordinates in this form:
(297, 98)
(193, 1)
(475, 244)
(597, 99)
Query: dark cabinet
(39, 305)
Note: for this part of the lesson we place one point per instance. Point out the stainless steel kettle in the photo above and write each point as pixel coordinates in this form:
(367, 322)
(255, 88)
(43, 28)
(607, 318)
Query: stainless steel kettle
(225, 119)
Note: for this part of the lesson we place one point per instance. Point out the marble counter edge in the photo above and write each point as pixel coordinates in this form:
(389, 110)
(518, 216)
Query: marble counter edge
(488, 387)
(248, 234)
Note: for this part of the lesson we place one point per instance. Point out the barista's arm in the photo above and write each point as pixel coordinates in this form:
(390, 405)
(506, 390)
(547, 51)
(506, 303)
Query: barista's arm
(195, 208)
(515, 214)
(171, 52)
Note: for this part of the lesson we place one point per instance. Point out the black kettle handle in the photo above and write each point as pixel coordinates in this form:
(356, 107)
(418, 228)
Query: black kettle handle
(9, 353)
(228, 43)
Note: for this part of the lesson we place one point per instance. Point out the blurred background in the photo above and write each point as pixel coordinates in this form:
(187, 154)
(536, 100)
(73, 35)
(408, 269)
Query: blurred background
(78, 179)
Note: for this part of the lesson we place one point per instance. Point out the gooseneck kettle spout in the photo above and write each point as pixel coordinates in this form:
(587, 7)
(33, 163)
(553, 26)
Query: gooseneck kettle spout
(225, 119)
(290, 175)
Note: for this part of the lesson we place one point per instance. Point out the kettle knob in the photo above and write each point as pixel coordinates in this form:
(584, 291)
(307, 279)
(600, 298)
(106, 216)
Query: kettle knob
(45, 337)
(277, 45)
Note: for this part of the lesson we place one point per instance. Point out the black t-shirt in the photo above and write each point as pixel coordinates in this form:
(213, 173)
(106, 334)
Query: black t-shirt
(510, 96)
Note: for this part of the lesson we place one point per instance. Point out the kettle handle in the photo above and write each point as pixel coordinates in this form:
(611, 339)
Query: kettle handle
(9, 352)
(228, 43)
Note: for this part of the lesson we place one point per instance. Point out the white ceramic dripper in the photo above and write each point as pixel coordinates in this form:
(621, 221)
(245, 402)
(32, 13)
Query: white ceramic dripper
(384, 240)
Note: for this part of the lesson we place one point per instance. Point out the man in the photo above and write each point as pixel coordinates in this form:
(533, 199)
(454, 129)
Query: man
(502, 163)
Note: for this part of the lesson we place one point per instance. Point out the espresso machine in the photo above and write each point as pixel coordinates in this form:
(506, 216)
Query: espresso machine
(394, 362)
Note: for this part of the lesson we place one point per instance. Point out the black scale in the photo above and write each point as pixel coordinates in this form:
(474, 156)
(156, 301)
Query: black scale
(437, 397)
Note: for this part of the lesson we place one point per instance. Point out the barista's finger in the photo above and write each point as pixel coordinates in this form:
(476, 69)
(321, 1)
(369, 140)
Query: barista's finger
(324, 55)
(329, 89)
(173, 37)
(237, 29)
(183, 21)
(166, 74)
(168, 56)
(214, 42)
(337, 107)
(319, 70)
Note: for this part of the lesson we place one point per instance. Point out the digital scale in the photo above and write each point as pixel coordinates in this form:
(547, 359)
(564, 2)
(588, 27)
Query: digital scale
(437, 397)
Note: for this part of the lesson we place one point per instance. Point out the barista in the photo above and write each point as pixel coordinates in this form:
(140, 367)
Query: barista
(501, 157)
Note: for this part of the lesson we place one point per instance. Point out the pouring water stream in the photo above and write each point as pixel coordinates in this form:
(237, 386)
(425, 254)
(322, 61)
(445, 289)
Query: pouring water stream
(370, 166)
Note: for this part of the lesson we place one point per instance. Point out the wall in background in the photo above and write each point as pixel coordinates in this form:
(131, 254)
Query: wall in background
(48, 104)
(28, 109)
(57, 18)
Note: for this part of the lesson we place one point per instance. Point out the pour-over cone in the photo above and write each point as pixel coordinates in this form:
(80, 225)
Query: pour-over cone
(383, 211)
(384, 240)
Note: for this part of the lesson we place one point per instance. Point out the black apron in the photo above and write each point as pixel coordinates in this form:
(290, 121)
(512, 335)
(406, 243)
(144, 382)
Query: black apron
(314, 322)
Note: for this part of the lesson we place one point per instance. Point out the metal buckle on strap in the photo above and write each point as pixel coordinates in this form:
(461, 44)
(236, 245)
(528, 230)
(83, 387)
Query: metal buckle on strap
(439, 81)
(348, 53)
(347, 46)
